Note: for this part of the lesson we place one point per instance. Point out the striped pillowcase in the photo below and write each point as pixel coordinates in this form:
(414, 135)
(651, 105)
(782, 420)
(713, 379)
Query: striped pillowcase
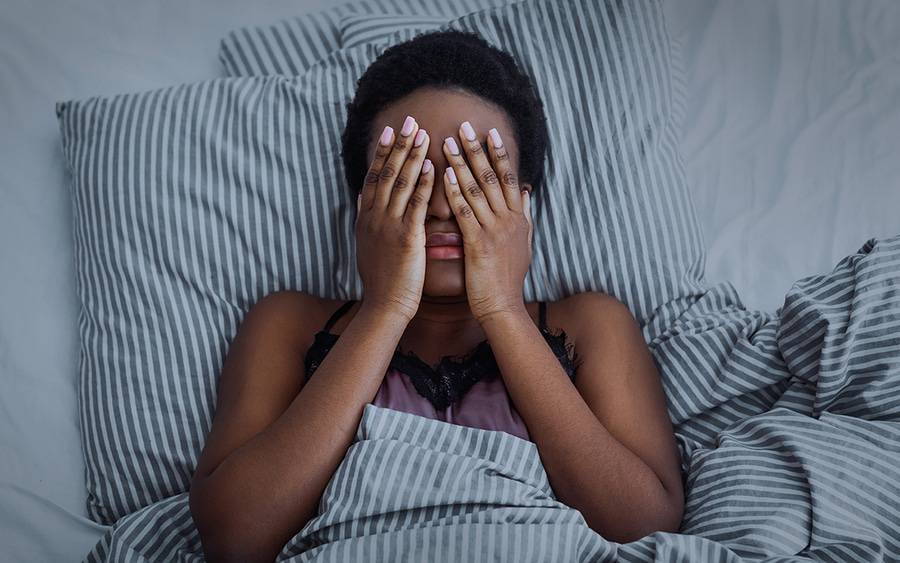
(291, 46)
(356, 30)
(617, 60)
(193, 202)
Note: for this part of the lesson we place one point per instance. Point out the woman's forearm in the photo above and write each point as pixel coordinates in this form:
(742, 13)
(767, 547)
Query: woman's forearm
(266, 490)
(619, 495)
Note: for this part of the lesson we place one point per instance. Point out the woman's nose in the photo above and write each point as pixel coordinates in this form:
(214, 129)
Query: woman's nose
(438, 206)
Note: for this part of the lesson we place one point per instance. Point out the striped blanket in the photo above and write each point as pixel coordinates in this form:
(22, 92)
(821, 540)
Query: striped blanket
(788, 424)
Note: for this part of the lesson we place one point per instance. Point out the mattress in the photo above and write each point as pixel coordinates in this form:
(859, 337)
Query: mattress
(789, 136)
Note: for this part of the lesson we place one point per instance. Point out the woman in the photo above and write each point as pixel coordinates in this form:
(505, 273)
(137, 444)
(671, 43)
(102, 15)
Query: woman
(443, 236)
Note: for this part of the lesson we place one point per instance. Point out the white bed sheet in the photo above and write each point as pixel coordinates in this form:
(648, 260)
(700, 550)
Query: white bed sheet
(791, 137)
(51, 51)
(792, 134)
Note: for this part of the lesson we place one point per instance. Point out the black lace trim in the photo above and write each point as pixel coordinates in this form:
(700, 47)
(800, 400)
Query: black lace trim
(452, 378)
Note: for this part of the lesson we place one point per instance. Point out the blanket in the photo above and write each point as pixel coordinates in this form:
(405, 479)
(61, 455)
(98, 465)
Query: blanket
(788, 424)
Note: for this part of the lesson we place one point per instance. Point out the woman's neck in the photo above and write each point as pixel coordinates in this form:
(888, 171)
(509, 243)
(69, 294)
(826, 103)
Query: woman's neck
(439, 314)
(442, 323)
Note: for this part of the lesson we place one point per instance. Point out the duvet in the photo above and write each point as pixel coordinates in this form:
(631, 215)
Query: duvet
(788, 423)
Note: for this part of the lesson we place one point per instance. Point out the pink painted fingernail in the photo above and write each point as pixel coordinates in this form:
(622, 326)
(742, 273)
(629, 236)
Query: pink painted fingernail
(451, 144)
(468, 131)
(407, 126)
(420, 138)
(385, 139)
(452, 175)
(495, 138)
(426, 166)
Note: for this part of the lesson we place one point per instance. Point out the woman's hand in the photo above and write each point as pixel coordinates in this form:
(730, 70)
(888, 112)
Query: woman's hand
(495, 219)
(390, 222)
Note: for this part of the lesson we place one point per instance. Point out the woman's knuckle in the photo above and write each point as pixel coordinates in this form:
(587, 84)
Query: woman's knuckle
(388, 171)
(372, 177)
(509, 177)
(488, 176)
(473, 189)
(464, 210)
(402, 182)
(415, 200)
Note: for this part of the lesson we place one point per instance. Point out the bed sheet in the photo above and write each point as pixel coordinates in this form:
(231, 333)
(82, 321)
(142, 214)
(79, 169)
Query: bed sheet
(790, 138)
(790, 135)
(51, 51)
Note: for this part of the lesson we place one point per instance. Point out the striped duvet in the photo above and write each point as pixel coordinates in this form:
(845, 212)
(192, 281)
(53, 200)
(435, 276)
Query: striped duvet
(788, 424)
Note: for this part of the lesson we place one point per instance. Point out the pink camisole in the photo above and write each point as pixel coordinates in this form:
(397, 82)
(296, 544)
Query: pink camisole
(466, 390)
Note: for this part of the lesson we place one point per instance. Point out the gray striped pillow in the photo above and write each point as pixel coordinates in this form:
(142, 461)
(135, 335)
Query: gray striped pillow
(614, 60)
(193, 202)
(356, 30)
(291, 46)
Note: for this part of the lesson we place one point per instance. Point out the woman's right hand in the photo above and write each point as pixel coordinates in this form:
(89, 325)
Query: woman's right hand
(390, 221)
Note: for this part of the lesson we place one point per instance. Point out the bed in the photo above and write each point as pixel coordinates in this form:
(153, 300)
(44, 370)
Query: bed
(789, 135)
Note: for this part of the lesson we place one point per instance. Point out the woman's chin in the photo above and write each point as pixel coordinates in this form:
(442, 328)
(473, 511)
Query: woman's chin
(444, 278)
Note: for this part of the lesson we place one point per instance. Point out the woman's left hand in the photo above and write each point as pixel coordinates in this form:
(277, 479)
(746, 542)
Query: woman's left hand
(494, 215)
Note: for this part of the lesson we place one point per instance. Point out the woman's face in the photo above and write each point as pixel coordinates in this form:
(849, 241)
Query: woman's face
(441, 112)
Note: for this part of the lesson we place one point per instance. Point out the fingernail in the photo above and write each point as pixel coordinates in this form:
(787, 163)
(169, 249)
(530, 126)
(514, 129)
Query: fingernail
(426, 166)
(495, 138)
(385, 139)
(468, 131)
(407, 126)
(420, 138)
(452, 175)
(451, 144)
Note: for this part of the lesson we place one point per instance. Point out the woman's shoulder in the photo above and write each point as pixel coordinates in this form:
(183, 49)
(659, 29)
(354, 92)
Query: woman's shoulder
(296, 311)
(579, 313)
(574, 304)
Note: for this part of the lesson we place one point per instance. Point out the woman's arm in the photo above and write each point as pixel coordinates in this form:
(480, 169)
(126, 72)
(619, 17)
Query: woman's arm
(271, 450)
(249, 504)
(606, 442)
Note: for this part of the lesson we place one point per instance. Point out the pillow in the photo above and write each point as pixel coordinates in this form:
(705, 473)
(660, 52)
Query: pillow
(356, 30)
(291, 46)
(644, 87)
(193, 202)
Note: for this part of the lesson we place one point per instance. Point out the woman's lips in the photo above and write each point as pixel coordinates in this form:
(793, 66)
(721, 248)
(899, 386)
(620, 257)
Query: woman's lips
(443, 252)
(443, 239)
(443, 246)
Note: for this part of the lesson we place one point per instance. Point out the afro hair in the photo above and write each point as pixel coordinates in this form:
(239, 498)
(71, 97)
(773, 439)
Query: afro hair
(454, 60)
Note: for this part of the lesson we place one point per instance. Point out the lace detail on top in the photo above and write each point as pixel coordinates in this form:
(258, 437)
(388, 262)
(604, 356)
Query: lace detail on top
(455, 374)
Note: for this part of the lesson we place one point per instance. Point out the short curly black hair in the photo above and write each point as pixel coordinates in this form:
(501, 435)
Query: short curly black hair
(450, 59)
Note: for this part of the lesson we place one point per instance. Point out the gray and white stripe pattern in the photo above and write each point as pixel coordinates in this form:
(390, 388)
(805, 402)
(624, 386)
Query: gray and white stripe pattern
(609, 59)
(781, 480)
(193, 202)
(291, 46)
(356, 30)
(637, 225)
